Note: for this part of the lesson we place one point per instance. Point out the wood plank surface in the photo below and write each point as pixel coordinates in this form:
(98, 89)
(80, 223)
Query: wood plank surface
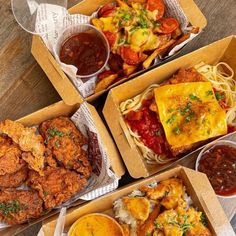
(24, 87)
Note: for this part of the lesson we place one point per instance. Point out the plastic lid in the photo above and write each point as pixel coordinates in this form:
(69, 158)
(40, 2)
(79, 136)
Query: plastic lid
(25, 12)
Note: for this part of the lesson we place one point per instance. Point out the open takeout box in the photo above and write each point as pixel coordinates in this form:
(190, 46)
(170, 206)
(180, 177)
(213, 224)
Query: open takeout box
(222, 50)
(197, 187)
(60, 80)
(61, 109)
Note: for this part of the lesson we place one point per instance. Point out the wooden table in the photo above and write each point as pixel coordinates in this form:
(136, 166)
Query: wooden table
(24, 88)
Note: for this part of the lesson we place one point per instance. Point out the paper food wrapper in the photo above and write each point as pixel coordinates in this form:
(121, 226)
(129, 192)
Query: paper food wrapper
(103, 179)
(51, 20)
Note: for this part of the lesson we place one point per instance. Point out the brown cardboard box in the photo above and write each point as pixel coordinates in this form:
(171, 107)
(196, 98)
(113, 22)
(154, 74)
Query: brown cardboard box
(222, 50)
(61, 109)
(197, 186)
(59, 79)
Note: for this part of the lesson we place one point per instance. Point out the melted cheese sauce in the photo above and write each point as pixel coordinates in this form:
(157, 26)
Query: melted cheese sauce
(189, 113)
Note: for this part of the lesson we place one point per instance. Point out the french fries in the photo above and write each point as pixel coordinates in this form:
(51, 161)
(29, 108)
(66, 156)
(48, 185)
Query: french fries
(105, 82)
(129, 69)
(157, 52)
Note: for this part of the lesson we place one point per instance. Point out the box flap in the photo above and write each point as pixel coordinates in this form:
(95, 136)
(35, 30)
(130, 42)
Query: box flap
(200, 184)
(193, 13)
(56, 75)
(52, 111)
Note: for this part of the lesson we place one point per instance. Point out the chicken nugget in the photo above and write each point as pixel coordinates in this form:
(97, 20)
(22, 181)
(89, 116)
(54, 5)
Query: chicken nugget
(18, 206)
(57, 185)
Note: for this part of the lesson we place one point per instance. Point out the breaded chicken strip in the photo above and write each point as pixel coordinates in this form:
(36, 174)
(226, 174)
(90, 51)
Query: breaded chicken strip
(28, 141)
(57, 185)
(18, 206)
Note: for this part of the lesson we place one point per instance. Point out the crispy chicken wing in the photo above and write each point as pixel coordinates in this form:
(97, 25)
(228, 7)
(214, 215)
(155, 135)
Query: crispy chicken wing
(28, 141)
(18, 206)
(15, 179)
(57, 185)
(10, 156)
(64, 143)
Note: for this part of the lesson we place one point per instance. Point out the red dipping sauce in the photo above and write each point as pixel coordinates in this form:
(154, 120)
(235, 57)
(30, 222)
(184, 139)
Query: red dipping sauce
(144, 122)
(86, 51)
(219, 164)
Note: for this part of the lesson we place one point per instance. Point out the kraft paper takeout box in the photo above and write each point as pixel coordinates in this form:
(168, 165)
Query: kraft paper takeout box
(56, 75)
(222, 50)
(61, 109)
(197, 186)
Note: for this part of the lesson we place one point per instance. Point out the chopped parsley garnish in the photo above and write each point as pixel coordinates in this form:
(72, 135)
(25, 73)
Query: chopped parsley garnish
(54, 132)
(145, 33)
(158, 133)
(10, 207)
(219, 96)
(127, 17)
(194, 98)
(57, 144)
(121, 40)
(176, 130)
(203, 219)
(209, 93)
(170, 110)
(171, 119)
(186, 109)
(134, 28)
(45, 193)
(189, 117)
(157, 225)
(143, 22)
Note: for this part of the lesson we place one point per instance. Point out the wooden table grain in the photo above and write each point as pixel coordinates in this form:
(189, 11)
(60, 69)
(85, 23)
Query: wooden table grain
(24, 87)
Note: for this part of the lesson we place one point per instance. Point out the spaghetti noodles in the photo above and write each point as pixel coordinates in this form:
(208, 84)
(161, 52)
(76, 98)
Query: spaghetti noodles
(222, 79)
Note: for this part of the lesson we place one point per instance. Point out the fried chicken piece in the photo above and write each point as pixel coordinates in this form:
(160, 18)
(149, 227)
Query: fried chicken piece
(10, 156)
(57, 185)
(62, 126)
(138, 207)
(186, 76)
(198, 230)
(18, 206)
(64, 141)
(15, 179)
(28, 141)
(169, 191)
